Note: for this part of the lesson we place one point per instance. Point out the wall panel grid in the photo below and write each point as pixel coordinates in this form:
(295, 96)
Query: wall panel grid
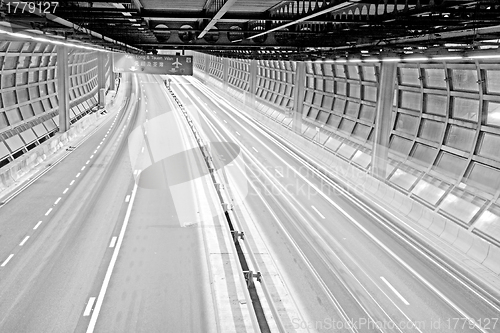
(342, 98)
(239, 74)
(28, 99)
(444, 145)
(275, 82)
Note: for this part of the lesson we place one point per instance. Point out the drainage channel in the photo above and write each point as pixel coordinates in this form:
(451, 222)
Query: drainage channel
(238, 238)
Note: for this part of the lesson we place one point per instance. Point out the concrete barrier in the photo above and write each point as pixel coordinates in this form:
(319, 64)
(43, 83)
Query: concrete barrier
(406, 205)
(398, 200)
(416, 211)
(438, 224)
(450, 232)
(464, 240)
(386, 193)
(426, 219)
(492, 261)
(479, 250)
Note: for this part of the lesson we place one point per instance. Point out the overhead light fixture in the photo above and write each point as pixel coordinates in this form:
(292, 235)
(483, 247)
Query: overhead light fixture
(447, 58)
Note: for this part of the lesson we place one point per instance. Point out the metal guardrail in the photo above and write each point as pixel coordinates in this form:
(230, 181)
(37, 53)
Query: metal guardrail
(238, 236)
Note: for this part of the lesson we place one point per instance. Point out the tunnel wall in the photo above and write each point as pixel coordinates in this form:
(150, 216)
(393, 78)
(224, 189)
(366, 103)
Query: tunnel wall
(28, 98)
(445, 132)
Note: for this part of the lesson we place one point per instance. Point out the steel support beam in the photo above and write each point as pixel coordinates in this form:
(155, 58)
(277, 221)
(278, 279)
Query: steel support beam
(383, 119)
(217, 17)
(101, 78)
(299, 93)
(225, 70)
(252, 87)
(63, 88)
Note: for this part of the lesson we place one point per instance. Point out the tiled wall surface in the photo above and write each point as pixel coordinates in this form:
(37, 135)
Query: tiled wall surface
(445, 131)
(28, 93)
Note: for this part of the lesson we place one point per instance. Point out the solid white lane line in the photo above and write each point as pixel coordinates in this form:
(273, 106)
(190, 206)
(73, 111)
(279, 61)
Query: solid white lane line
(317, 211)
(87, 162)
(77, 175)
(394, 290)
(57, 201)
(72, 182)
(107, 277)
(88, 308)
(83, 168)
(279, 173)
(66, 190)
(113, 242)
(255, 149)
(37, 225)
(238, 133)
(24, 240)
(48, 212)
(127, 198)
(7, 260)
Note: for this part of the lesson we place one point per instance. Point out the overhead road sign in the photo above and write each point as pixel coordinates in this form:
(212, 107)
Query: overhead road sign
(153, 64)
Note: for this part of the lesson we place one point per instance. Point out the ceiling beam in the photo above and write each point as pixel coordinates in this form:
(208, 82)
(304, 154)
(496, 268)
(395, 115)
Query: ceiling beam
(227, 5)
(329, 8)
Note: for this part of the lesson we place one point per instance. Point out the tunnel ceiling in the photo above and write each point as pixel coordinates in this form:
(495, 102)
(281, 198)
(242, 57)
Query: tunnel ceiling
(272, 29)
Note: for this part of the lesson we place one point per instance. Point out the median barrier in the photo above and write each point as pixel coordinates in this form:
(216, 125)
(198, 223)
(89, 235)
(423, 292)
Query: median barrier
(492, 261)
(416, 211)
(450, 232)
(464, 240)
(426, 219)
(438, 224)
(479, 250)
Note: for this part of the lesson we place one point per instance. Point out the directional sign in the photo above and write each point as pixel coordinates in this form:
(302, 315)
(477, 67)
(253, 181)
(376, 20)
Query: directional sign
(153, 64)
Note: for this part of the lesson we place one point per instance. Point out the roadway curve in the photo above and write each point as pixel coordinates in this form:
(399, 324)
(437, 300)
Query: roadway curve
(338, 262)
(88, 247)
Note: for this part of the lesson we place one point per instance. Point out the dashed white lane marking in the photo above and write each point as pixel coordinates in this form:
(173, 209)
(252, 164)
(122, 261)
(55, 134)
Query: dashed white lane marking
(279, 173)
(91, 156)
(95, 151)
(7, 260)
(255, 149)
(77, 175)
(142, 150)
(394, 291)
(225, 121)
(57, 201)
(24, 240)
(72, 182)
(66, 190)
(317, 211)
(98, 146)
(48, 212)
(214, 111)
(113, 242)
(89, 306)
(127, 198)
(83, 168)
(135, 172)
(37, 225)
(87, 162)
(238, 133)
(145, 132)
